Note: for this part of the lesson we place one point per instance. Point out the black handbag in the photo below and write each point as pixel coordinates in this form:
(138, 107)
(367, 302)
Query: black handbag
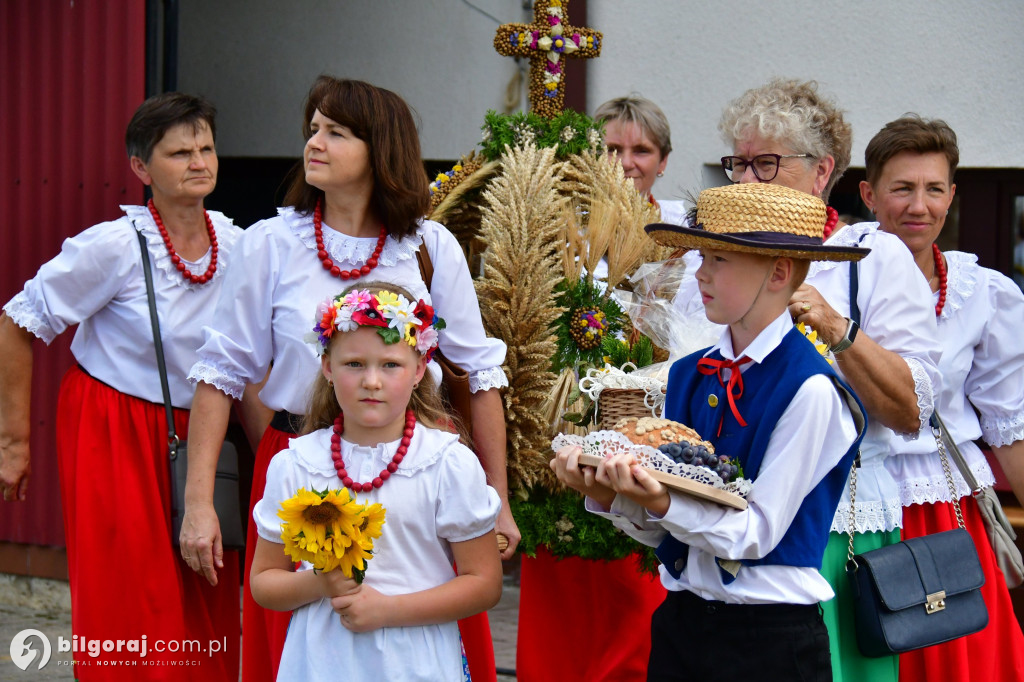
(918, 592)
(225, 486)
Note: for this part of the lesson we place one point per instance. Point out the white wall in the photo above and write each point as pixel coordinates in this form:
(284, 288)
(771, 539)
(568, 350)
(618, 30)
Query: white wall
(954, 59)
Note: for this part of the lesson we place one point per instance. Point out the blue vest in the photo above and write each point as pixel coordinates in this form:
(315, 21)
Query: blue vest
(768, 389)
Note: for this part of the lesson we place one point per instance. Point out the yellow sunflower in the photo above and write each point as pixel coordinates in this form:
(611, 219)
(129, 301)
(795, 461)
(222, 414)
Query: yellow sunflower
(812, 336)
(353, 561)
(315, 521)
(330, 530)
(371, 521)
(331, 557)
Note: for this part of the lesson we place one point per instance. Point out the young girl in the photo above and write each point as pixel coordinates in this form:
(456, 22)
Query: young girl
(373, 391)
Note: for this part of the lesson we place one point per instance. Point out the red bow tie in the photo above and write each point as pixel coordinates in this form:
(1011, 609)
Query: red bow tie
(733, 388)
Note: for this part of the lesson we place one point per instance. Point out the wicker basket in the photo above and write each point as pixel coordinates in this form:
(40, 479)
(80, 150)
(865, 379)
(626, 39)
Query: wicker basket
(619, 403)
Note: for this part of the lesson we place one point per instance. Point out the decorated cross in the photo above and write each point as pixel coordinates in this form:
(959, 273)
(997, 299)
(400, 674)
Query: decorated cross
(547, 42)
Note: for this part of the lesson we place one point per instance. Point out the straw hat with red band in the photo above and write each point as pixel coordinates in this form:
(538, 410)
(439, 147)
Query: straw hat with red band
(760, 218)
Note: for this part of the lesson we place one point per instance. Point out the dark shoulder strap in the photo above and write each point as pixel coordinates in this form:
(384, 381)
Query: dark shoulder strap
(426, 267)
(158, 344)
(854, 288)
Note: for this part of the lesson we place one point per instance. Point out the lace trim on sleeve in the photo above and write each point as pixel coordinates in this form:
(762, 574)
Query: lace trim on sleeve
(223, 227)
(23, 314)
(925, 397)
(210, 373)
(1004, 431)
(345, 249)
(961, 282)
(485, 379)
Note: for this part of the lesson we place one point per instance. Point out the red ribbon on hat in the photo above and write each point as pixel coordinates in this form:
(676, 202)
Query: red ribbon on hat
(733, 387)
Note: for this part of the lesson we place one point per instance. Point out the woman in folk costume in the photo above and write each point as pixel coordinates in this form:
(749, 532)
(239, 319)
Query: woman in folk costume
(883, 337)
(112, 431)
(354, 207)
(980, 315)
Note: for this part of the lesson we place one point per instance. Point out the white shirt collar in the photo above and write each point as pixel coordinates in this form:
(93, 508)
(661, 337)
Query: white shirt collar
(763, 344)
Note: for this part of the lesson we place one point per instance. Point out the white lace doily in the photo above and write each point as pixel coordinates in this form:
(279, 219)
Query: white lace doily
(597, 380)
(608, 443)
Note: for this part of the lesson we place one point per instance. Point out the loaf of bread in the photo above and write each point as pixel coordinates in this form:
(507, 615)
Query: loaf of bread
(655, 432)
(680, 443)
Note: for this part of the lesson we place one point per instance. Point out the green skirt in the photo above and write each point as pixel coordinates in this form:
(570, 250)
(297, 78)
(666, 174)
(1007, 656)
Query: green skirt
(848, 665)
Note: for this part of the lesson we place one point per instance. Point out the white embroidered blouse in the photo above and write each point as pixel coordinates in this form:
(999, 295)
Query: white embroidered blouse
(97, 282)
(982, 369)
(269, 303)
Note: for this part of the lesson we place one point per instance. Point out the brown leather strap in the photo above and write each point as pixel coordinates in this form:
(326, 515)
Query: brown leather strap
(426, 267)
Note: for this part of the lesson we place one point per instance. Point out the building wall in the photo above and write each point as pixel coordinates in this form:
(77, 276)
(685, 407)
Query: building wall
(942, 58)
(71, 74)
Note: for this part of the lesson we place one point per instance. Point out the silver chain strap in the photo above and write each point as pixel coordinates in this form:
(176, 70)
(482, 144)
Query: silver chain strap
(853, 516)
(949, 481)
(949, 476)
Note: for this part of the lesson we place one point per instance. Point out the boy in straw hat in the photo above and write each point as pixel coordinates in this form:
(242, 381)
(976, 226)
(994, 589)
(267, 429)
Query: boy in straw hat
(743, 586)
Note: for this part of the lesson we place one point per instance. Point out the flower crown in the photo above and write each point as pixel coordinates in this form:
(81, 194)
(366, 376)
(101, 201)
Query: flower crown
(395, 318)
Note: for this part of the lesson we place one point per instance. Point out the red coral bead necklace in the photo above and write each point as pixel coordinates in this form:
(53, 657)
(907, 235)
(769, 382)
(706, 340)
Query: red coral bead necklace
(830, 222)
(385, 474)
(328, 263)
(176, 259)
(940, 270)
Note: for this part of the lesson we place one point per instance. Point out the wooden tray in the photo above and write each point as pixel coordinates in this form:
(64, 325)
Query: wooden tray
(683, 485)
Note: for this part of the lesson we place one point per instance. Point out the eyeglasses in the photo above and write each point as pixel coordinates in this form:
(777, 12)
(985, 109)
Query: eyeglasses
(765, 166)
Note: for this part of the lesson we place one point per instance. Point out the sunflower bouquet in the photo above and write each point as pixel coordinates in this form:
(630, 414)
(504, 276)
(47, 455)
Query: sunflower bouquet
(330, 529)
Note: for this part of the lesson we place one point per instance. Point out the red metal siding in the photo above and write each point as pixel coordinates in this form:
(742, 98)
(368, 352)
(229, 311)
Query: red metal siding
(72, 73)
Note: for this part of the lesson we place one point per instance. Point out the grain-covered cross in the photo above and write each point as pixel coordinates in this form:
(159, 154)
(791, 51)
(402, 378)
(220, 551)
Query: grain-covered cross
(547, 42)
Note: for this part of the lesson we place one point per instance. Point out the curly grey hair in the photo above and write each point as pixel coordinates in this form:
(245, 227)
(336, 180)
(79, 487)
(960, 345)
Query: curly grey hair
(793, 113)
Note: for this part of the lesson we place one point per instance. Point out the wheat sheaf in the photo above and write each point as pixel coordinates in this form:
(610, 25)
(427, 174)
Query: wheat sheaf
(520, 223)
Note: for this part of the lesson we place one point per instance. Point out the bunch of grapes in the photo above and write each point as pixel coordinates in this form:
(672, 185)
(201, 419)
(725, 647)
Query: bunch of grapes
(698, 455)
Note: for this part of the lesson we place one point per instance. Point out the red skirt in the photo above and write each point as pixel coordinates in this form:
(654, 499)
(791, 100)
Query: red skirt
(600, 610)
(996, 654)
(265, 630)
(127, 580)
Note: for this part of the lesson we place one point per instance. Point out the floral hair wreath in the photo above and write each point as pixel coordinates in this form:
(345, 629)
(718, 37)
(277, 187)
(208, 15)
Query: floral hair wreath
(393, 315)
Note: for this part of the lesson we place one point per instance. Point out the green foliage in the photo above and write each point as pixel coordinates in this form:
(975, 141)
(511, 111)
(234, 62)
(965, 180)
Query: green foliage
(570, 133)
(559, 522)
(389, 334)
(589, 413)
(618, 352)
